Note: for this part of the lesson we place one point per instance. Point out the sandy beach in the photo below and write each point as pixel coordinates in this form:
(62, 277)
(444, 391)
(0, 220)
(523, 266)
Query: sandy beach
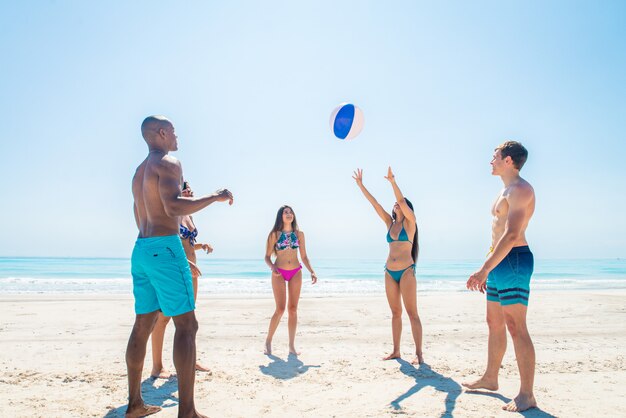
(64, 356)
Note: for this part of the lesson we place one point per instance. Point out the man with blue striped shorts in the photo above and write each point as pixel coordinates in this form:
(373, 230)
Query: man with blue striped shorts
(505, 276)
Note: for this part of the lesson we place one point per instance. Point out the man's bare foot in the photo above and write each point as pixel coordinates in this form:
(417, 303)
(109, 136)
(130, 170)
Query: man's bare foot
(521, 403)
(482, 383)
(142, 410)
(393, 355)
(268, 348)
(202, 368)
(419, 359)
(161, 373)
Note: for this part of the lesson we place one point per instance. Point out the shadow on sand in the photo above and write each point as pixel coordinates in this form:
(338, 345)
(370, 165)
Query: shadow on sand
(424, 376)
(281, 369)
(530, 413)
(153, 393)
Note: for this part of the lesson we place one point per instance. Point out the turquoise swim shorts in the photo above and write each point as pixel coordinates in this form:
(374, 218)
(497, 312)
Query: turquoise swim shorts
(161, 276)
(509, 282)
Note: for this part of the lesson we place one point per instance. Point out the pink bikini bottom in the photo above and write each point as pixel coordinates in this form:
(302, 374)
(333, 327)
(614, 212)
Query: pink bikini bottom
(288, 274)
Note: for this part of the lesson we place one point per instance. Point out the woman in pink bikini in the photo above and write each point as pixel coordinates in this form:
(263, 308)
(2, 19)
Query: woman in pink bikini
(284, 241)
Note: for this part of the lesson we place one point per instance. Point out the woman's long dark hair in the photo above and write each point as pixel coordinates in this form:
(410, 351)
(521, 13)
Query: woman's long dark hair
(279, 224)
(416, 247)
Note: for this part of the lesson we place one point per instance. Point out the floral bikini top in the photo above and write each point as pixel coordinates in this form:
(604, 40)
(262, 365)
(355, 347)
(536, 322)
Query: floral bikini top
(187, 234)
(287, 240)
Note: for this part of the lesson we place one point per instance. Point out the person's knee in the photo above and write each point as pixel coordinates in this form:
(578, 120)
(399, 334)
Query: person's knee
(163, 320)
(495, 322)
(192, 326)
(396, 313)
(186, 323)
(143, 325)
(413, 316)
(293, 310)
(516, 326)
(280, 310)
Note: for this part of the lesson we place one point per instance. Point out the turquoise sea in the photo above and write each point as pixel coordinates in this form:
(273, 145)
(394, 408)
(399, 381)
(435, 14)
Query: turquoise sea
(251, 276)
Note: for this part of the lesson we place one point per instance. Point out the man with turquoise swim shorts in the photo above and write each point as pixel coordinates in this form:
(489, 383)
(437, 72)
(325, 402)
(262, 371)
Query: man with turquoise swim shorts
(505, 276)
(161, 275)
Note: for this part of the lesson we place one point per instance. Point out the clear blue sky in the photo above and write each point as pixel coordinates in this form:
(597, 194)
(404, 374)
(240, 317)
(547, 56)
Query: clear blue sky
(250, 86)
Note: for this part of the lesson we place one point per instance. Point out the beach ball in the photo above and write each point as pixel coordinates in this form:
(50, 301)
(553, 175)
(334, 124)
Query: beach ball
(346, 121)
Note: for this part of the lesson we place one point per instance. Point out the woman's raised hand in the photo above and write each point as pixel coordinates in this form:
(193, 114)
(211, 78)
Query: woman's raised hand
(358, 176)
(390, 175)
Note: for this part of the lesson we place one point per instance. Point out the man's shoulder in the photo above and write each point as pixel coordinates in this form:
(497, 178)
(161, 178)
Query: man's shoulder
(521, 190)
(166, 162)
(170, 160)
(525, 187)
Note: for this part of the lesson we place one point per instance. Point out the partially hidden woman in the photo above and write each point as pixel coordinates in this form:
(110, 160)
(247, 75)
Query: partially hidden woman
(400, 282)
(285, 241)
(188, 235)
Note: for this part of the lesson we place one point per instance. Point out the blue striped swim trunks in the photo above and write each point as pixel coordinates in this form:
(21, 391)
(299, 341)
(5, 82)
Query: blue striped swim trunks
(509, 282)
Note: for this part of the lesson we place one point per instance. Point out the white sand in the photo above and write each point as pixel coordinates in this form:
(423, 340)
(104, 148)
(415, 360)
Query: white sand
(64, 356)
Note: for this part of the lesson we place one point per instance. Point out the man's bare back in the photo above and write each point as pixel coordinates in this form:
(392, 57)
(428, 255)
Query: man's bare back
(151, 216)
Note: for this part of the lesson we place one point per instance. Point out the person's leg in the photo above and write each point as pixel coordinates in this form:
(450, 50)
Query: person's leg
(408, 289)
(392, 289)
(515, 317)
(195, 277)
(146, 310)
(280, 298)
(135, 355)
(158, 334)
(185, 362)
(294, 287)
(495, 349)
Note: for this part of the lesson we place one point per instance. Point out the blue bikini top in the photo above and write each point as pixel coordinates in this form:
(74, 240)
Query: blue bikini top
(402, 236)
(287, 240)
(185, 233)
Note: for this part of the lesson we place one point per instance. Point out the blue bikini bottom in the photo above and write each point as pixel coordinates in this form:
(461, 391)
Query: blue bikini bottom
(397, 274)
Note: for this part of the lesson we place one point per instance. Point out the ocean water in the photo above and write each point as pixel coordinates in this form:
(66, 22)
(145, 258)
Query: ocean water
(251, 276)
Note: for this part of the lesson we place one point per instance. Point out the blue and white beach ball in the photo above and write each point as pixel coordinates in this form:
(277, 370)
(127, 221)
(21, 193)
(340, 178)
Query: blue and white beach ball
(346, 121)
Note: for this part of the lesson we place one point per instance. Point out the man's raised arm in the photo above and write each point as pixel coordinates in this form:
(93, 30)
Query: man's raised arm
(170, 173)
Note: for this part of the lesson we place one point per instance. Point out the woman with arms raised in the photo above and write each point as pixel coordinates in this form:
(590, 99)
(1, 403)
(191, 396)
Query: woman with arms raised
(400, 282)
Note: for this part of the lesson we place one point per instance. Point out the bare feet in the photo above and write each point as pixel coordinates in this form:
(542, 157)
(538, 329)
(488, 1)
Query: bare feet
(268, 348)
(162, 373)
(202, 368)
(292, 350)
(142, 410)
(482, 383)
(521, 403)
(393, 355)
(419, 359)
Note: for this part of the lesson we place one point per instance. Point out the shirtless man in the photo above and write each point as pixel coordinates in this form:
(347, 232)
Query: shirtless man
(505, 276)
(161, 274)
